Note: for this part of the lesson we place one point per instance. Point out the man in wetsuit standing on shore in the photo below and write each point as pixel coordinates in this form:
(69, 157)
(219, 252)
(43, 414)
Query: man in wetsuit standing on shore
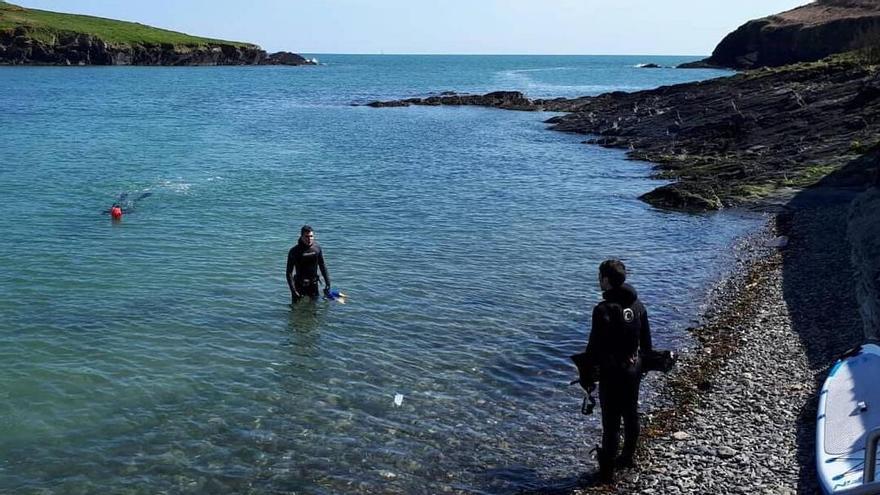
(303, 262)
(620, 335)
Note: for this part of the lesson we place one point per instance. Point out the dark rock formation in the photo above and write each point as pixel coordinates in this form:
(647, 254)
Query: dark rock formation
(19, 47)
(700, 196)
(726, 141)
(509, 100)
(285, 58)
(804, 34)
(737, 139)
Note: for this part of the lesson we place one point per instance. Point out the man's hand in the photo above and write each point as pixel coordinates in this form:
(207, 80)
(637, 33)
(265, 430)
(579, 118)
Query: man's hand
(294, 297)
(588, 385)
(327, 291)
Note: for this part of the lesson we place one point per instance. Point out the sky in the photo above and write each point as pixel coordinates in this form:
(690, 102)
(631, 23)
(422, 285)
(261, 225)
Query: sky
(552, 27)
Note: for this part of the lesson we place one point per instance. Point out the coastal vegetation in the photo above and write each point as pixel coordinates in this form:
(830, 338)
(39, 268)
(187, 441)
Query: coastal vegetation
(49, 26)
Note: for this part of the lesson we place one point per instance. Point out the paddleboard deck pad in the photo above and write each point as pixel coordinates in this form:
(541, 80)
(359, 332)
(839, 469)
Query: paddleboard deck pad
(848, 416)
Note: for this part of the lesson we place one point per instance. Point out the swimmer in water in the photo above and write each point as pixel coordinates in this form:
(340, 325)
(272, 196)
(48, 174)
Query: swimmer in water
(117, 210)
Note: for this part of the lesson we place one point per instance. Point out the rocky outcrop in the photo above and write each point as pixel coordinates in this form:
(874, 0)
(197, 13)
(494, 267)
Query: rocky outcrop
(509, 100)
(733, 140)
(804, 34)
(727, 141)
(20, 47)
(285, 58)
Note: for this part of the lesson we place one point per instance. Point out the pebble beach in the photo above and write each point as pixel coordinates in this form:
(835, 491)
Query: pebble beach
(738, 414)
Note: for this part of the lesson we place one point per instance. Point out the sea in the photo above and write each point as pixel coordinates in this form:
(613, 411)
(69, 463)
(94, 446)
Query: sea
(160, 353)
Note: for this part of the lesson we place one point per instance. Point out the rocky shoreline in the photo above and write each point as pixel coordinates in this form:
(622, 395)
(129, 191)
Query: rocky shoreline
(730, 141)
(738, 414)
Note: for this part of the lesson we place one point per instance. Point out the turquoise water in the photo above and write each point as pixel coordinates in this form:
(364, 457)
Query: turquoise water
(160, 355)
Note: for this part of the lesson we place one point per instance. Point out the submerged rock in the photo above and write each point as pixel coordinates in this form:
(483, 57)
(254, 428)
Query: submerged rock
(684, 196)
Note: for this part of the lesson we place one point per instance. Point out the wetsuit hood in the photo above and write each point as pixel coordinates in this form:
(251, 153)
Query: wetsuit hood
(625, 295)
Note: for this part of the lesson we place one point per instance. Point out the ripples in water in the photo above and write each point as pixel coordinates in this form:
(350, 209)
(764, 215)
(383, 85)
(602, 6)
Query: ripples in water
(159, 354)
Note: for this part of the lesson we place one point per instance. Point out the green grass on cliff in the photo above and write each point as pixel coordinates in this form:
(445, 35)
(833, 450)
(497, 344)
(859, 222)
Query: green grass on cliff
(45, 26)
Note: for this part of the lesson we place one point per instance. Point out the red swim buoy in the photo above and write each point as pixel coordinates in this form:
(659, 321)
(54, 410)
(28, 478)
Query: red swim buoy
(116, 212)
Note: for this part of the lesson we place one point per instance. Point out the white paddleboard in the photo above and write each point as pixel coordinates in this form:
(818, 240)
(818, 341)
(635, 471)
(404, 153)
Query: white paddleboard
(849, 410)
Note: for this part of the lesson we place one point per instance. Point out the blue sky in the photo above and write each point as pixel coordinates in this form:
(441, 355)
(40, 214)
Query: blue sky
(585, 27)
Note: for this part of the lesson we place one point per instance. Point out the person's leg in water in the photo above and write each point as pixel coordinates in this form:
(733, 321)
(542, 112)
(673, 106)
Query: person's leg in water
(612, 412)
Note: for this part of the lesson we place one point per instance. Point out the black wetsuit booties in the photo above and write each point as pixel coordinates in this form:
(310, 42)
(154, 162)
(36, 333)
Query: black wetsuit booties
(620, 334)
(306, 260)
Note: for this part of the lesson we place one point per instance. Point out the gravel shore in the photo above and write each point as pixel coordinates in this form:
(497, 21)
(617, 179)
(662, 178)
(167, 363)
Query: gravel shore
(738, 414)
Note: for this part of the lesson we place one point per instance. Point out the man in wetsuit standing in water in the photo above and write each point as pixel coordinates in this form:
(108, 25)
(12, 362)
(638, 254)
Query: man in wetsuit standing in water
(303, 262)
(619, 337)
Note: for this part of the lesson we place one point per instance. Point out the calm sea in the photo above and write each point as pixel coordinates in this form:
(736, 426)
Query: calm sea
(160, 354)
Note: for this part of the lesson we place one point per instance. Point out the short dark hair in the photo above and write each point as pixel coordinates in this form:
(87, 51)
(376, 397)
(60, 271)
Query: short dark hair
(614, 271)
(306, 229)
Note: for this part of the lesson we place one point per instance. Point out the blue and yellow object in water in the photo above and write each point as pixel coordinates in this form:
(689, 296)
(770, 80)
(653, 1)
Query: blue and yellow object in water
(335, 295)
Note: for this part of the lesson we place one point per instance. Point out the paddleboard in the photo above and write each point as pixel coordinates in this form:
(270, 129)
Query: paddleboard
(848, 417)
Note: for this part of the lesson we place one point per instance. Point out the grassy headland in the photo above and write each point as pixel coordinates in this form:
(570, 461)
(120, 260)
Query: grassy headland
(39, 37)
(47, 26)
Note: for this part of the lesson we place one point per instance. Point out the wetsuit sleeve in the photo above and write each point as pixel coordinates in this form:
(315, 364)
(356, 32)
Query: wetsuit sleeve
(594, 345)
(645, 333)
(323, 268)
(291, 265)
(599, 323)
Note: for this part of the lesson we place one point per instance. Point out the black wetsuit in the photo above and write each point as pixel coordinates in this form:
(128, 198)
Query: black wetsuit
(619, 335)
(305, 261)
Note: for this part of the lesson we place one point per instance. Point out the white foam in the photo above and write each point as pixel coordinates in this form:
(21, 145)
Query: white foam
(178, 186)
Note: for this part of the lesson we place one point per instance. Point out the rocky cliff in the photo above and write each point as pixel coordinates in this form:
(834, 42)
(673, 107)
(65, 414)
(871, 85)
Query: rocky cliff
(19, 47)
(804, 34)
